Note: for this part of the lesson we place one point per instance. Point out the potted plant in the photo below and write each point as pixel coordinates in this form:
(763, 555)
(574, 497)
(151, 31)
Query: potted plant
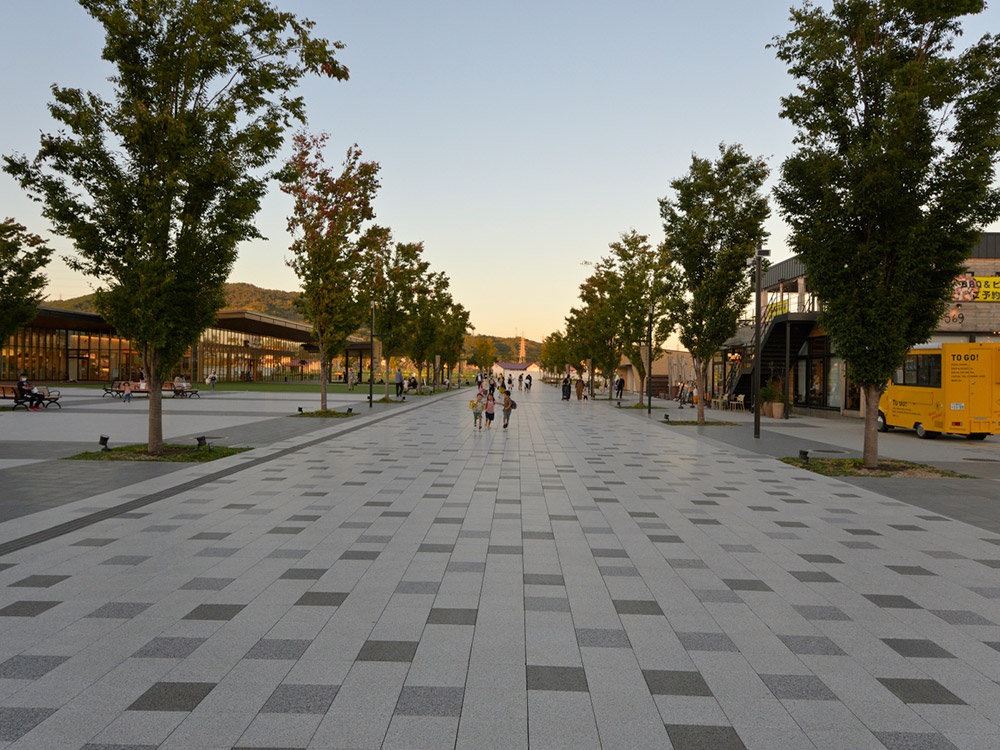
(771, 404)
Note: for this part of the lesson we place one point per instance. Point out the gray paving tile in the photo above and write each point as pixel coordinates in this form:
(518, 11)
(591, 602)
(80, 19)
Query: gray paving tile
(27, 608)
(387, 651)
(446, 616)
(546, 604)
(813, 576)
(543, 579)
(38, 581)
(417, 587)
(914, 741)
(797, 687)
(207, 584)
(637, 607)
(717, 596)
(121, 610)
(961, 617)
(15, 722)
(303, 574)
(94, 542)
(601, 638)
(693, 641)
(29, 667)
(910, 570)
(126, 560)
(565, 679)
(415, 700)
(279, 648)
(746, 584)
(891, 601)
(676, 682)
(214, 612)
(172, 696)
(815, 645)
(911, 690)
(321, 599)
(917, 647)
(290, 698)
(820, 612)
(169, 647)
(700, 737)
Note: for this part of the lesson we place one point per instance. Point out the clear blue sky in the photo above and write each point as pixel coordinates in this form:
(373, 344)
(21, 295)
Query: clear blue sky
(516, 140)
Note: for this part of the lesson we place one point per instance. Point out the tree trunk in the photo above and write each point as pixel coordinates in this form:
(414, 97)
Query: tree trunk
(324, 373)
(154, 383)
(870, 453)
(702, 370)
(387, 362)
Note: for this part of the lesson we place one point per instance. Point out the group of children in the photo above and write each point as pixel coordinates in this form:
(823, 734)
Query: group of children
(485, 402)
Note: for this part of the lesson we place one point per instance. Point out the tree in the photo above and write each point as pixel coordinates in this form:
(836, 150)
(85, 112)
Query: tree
(451, 335)
(592, 329)
(894, 171)
(714, 225)
(326, 217)
(22, 257)
(557, 354)
(432, 307)
(157, 186)
(394, 273)
(644, 282)
(484, 353)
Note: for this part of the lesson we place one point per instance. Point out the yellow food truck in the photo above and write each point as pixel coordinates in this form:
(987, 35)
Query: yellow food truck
(953, 388)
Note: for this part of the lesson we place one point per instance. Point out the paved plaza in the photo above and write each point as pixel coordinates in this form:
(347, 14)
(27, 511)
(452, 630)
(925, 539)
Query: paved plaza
(588, 578)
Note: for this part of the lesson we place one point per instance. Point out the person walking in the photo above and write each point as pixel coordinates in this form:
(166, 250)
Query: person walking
(579, 389)
(619, 386)
(527, 382)
(127, 392)
(477, 412)
(211, 380)
(399, 382)
(490, 410)
(565, 388)
(520, 381)
(508, 406)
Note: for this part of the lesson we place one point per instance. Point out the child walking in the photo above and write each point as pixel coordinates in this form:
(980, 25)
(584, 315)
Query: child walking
(477, 412)
(127, 392)
(490, 410)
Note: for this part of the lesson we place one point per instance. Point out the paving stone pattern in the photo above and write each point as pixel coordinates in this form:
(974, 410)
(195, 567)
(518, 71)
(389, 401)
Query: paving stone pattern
(585, 579)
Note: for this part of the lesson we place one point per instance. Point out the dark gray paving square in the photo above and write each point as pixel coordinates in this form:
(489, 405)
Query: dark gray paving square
(891, 601)
(374, 539)
(446, 548)
(93, 542)
(546, 604)
(746, 584)
(505, 549)
(811, 645)
(920, 691)
(543, 579)
(820, 612)
(665, 538)
(717, 596)
(917, 647)
(687, 563)
(417, 587)
(207, 584)
(355, 524)
(211, 535)
(859, 545)
(453, 520)
(813, 576)
(562, 516)
(798, 687)
(126, 560)
(601, 638)
(623, 571)
(995, 564)
(304, 518)
(739, 548)
(218, 552)
(238, 506)
(960, 617)
(120, 610)
(910, 570)
(791, 524)
(906, 527)
(451, 616)
(278, 648)
(637, 607)
(360, 554)
(169, 647)
(303, 574)
(25, 667)
(286, 530)
(37, 582)
(417, 700)
(943, 554)
(214, 612)
(706, 642)
(822, 559)
(5, 566)
(862, 532)
(987, 592)
(702, 737)
(705, 522)
(172, 696)
(161, 527)
(602, 552)
(321, 599)
(914, 741)
(17, 722)
(300, 699)
(27, 608)
(289, 554)
(674, 682)
(388, 651)
(537, 535)
(564, 679)
(465, 566)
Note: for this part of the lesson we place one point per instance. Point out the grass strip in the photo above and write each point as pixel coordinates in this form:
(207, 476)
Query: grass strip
(326, 413)
(855, 467)
(172, 452)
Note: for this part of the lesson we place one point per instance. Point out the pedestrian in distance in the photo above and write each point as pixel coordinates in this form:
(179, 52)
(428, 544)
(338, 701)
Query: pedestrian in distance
(211, 380)
(527, 382)
(520, 381)
(579, 389)
(477, 412)
(399, 382)
(619, 386)
(127, 392)
(490, 410)
(565, 388)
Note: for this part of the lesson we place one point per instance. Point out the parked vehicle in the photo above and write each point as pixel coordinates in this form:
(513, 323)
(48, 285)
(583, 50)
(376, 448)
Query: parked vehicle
(951, 388)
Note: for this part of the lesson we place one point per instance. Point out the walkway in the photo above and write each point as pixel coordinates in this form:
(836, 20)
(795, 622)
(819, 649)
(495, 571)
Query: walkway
(586, 579)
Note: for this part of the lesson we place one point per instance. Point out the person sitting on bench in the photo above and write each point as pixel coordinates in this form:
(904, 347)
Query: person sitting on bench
(26, 391)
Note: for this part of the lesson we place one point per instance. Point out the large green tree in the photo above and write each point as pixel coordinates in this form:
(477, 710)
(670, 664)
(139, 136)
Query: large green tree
(640, 302)
(432, 306)
(592, 328)
(157, 185)
(394, 276)
(897, 140)
(714, 224)
(484, 353)
(22, 257)
(558, 353)
(327, 216)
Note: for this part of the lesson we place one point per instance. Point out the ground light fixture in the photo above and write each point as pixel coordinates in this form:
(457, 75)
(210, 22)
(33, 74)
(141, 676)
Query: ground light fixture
(666, 417)
(350, 409)
(804, 456)
(202, 442)
(300, 410)
(104, 442)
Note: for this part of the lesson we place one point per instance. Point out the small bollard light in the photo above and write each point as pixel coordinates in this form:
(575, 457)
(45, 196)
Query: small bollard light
(202, 442)
(104, 442)
(350, 409)
(404, 398)
(804, 456)
(300, 410)
(619, 404)
(666, 417)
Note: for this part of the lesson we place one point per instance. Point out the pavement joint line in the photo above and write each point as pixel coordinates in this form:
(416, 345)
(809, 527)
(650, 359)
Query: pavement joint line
(90, 519)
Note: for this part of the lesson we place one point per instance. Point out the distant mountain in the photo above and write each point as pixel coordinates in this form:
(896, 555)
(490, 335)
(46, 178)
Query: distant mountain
(239, 296)
(508, 347)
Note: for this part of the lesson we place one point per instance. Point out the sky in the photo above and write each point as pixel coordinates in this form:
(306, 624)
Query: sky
(516, 141)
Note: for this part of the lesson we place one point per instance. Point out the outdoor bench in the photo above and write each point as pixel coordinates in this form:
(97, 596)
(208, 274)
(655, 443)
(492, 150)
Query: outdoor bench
(49, 396)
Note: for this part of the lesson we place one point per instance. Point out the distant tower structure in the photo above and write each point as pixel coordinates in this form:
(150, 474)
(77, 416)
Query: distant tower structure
(521, 355)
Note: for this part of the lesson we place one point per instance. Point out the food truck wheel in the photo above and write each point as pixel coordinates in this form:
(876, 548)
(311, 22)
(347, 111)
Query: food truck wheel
(880, 423)
(924, 434)
(977, 435)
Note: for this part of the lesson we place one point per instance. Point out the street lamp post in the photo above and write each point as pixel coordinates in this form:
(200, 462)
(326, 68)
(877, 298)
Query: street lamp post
(761, 252)
(371, 358)
(649, 364)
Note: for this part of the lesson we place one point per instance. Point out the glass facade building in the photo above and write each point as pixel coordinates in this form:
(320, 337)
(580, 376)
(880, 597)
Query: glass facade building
(65, 345)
